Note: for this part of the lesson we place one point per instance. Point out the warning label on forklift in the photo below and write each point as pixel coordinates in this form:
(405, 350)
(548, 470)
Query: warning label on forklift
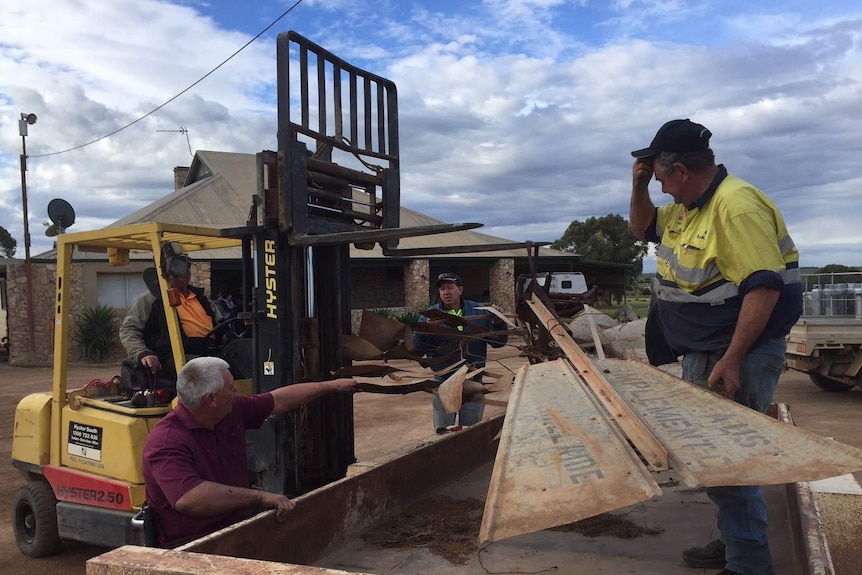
(85, 441)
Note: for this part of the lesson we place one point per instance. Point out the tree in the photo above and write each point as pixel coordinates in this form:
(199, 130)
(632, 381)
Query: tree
(7, 243)
(606, 239)
(835, 269)
(838, 273)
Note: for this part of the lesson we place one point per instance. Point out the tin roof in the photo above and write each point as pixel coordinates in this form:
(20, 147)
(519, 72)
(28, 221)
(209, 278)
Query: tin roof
(218, 194)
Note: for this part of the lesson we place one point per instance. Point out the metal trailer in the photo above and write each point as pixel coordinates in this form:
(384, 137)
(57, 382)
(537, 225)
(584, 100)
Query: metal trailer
(322, 534)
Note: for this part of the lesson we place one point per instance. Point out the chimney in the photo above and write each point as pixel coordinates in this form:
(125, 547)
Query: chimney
(180, 174)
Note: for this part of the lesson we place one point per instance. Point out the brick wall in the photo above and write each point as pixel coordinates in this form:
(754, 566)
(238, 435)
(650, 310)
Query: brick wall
(416, 278)
(377, 287)
(501, 280)
(44, 290)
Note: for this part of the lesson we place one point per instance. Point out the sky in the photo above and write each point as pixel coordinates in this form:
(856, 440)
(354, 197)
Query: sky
(520, 115)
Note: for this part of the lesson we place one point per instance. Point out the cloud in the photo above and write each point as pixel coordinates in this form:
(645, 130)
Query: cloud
(520, 115)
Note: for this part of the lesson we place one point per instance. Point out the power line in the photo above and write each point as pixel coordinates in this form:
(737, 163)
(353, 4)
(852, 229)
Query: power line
(198, 81)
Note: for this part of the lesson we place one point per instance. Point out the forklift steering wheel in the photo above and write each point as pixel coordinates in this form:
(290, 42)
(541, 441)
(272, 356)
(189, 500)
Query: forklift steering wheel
(219, 328)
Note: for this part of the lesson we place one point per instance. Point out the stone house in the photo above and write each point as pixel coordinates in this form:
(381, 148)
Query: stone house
(216, 191)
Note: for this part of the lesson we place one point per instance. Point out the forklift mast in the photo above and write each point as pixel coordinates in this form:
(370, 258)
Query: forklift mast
(334, 181)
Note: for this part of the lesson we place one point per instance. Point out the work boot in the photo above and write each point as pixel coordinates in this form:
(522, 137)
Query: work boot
(709, 556)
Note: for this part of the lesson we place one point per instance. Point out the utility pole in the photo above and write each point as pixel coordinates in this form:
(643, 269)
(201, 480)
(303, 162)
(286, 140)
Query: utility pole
(27, 119)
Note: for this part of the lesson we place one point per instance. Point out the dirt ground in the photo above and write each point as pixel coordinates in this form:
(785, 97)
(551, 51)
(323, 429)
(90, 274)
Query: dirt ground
(383, 423)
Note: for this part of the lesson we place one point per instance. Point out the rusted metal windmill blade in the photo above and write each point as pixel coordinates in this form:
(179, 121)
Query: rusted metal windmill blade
(440, 317)
(451, 391)
(366, 370)
(385, 333)
(402, 388)
(358, 349)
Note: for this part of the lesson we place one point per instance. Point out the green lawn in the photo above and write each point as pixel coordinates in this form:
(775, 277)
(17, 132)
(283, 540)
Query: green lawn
(639, 303)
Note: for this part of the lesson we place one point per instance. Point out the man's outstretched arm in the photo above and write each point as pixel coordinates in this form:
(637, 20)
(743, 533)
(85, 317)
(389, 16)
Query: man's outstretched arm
(292, 396)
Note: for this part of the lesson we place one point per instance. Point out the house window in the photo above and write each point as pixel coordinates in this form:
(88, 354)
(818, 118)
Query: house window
(119, 290)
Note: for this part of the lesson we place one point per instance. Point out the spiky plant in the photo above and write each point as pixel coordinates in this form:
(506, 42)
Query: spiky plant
(96, 332)
(408, 316)
(383, 311)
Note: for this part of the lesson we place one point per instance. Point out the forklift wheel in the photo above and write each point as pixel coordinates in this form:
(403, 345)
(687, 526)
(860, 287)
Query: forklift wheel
(34, 516)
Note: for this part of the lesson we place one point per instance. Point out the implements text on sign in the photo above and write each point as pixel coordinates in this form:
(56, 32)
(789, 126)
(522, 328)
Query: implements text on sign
(85, 441)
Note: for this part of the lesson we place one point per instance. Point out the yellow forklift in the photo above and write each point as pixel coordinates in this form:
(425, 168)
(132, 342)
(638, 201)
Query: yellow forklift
(81, 449)
(333, 182)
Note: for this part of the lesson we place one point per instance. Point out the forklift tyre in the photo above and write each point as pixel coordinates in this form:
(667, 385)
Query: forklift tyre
(34, 516)
(829, 384)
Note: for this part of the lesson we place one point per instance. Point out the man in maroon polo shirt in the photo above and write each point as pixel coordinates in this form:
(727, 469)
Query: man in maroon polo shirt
(194, 459)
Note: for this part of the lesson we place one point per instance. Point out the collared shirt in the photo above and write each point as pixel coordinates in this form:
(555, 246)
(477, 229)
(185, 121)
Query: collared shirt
(179, 455)
(731, 239)
(460, 313)
(194, 319)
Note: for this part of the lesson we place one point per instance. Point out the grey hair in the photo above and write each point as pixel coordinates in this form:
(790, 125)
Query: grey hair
(199, 378)
(694, 161)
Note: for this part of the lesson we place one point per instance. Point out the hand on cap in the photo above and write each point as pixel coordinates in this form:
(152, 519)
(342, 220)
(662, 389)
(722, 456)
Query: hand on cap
(642, 172)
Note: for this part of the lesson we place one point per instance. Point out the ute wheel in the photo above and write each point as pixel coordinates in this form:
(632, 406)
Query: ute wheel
(829, 384)
(34, 518)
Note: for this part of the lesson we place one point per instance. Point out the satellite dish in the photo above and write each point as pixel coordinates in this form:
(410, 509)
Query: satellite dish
(61, 213)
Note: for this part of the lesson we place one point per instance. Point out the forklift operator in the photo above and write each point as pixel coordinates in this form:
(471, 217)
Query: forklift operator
(194, 460)
(144, 331)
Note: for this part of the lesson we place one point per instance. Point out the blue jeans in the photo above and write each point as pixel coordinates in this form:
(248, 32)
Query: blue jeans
(742, 510)
(470, 413)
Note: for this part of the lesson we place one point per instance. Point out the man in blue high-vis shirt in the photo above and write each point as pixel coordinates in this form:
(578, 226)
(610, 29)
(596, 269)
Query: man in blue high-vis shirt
(473, 350)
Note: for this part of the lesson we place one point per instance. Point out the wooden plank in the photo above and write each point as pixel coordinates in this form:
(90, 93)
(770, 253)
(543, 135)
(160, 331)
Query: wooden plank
(130, 560)
(644, 440)
(714, 441)
(560, 459)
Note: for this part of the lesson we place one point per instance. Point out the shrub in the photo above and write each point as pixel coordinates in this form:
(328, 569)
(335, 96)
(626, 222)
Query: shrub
(408, 316)
(384, 311)
(96, 332)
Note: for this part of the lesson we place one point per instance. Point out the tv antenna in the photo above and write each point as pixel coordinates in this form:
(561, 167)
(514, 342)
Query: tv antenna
(182, 130)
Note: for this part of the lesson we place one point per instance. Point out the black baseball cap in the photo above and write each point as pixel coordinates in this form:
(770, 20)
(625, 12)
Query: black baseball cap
(448, 277)
(677, 136)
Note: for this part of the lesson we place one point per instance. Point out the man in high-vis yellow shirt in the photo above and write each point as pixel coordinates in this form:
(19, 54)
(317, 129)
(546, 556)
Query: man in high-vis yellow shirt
(726, 292)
